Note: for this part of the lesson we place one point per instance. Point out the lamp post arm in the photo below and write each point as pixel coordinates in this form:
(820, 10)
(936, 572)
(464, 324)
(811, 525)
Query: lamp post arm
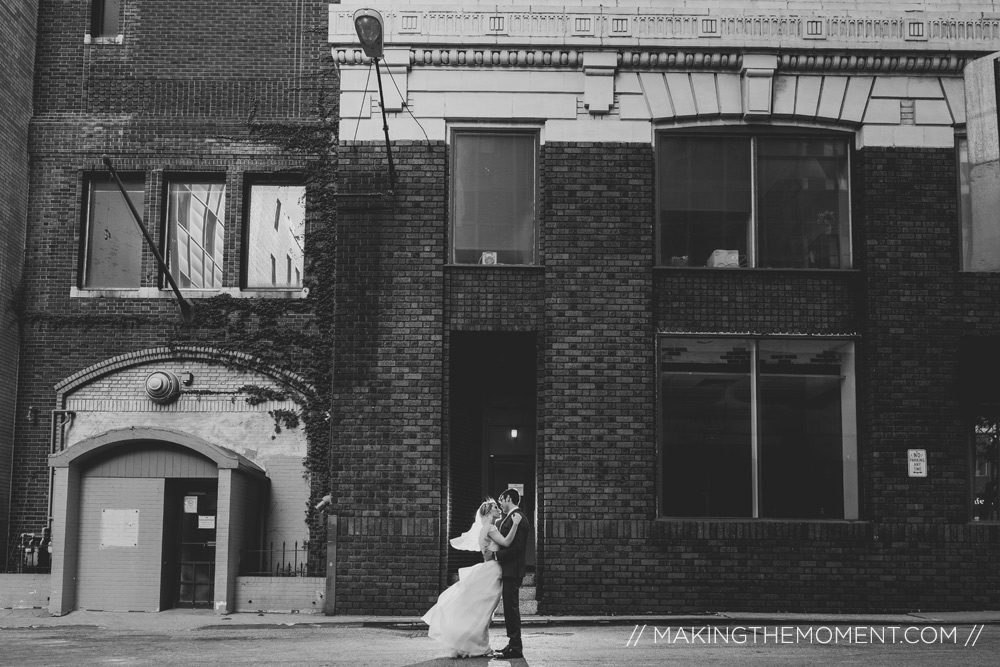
(385, 127)
(187, 311)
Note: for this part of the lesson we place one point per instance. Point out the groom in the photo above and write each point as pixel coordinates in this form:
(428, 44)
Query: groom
(512, 571)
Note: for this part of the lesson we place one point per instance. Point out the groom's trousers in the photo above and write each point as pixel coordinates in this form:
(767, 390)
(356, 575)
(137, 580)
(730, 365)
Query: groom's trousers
(512, 611)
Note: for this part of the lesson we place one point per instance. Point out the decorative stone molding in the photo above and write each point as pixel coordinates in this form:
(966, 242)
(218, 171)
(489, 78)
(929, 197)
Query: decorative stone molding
(599, 82)
(943, 63)
(970, 27)
(757, 73)
(193, 353)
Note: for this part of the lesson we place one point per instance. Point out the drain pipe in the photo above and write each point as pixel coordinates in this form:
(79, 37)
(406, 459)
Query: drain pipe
(57, 443)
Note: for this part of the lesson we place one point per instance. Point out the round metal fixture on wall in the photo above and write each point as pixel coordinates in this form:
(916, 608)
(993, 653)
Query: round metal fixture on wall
(162, 387)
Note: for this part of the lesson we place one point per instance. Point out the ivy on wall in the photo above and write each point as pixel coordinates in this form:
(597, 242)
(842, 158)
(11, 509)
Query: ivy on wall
(292, 334)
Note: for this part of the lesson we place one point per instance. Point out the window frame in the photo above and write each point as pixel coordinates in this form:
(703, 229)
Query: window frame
(250, 180)
(849, 436)
(979, 410)
(754, 227)
(194, 178)
(99, 13)
(91, 178)
(963, 194)
(454, 134)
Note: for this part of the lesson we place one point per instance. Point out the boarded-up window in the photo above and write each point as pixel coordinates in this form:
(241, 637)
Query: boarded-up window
(113, 241)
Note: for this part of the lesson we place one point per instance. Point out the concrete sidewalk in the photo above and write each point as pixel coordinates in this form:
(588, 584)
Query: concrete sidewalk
(179, 620)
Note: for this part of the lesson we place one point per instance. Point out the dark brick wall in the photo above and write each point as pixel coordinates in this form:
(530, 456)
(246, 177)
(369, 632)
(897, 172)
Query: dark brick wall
(596, 305)
(184, 58)
(387, 471)
(913, 302)
(598, 390)
(17, 33)
(913, 548)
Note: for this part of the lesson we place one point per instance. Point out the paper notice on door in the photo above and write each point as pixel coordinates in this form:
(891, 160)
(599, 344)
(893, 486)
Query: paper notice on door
(190, 504)
(206, 522)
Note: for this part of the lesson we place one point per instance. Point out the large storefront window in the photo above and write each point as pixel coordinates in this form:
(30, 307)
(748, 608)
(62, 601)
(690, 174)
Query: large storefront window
(986, 466)
(748, 201)
(979, 364)
(754, 428)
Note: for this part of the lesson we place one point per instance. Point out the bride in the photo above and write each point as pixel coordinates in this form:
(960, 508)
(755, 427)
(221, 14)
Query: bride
(461, 618)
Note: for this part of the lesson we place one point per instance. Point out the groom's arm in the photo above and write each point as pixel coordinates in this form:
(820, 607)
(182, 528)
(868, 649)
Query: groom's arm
(518, 544)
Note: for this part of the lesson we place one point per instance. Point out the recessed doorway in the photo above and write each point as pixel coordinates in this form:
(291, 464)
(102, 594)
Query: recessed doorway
(493, 420)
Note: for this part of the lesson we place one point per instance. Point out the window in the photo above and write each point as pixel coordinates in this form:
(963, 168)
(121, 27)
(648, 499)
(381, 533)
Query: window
(773, 201)
(986, 465)
(757, 428)
(979, 167)
(494, 197)
(196, 233)
(275, 228)
(104, 18)
(112, 240)
(965, 199)
(979, 364)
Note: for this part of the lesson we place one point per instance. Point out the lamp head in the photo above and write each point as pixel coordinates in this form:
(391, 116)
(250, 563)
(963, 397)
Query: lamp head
(370, 28)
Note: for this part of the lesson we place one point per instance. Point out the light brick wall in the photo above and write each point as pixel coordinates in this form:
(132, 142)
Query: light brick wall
(24, 591)
(280, 594)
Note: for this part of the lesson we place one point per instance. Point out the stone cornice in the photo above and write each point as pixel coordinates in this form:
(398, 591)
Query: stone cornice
(556, 35)
(635, 59)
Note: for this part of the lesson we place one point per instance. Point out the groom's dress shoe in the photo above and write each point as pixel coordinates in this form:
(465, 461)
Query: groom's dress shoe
(510, 653)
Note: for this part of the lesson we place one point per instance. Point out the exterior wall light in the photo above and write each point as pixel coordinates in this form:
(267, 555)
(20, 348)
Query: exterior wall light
(370, 27)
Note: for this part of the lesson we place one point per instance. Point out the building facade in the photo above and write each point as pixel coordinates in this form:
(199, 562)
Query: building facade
(713, 285)
(17, 79)
(164, 457)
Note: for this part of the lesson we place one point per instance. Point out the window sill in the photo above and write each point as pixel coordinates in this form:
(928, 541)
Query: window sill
(743, 269)
(538, 267)
(751, 520)
(155, 293)
(668, 530)
(96, 41)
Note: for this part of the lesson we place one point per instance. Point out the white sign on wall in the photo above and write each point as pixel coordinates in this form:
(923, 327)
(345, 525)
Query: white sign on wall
(119, 528)
(916, 462)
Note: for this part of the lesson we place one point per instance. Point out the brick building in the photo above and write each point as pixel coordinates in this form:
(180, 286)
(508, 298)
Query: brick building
(715, 287)
(167, 457)
(18, 32)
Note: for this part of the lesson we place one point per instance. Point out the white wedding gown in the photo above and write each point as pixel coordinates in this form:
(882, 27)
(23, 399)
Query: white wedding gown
(461, 618)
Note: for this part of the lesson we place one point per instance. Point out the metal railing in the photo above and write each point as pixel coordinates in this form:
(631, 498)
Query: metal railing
(283, 561)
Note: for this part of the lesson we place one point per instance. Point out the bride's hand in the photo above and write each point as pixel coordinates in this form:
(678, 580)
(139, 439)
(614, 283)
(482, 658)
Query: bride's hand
(516, 519)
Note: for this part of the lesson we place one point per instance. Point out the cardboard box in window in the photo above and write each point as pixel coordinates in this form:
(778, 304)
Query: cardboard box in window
(724, 259)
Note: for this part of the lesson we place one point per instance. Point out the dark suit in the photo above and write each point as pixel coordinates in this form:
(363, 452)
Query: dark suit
(512, 568)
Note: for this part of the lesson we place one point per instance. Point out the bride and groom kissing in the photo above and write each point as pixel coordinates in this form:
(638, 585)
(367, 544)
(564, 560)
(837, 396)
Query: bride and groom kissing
(461, 618)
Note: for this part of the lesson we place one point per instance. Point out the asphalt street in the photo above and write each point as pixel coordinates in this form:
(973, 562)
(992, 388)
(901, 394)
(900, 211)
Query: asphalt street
(179, 638)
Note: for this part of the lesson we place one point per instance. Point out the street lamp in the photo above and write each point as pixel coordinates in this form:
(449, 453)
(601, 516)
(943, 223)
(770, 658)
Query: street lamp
(370, 27)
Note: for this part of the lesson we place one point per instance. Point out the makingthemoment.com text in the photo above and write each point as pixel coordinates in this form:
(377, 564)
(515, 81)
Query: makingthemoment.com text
(791, 634)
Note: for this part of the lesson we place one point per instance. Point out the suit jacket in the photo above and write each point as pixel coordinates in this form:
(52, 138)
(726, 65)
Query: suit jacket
(511, 558)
